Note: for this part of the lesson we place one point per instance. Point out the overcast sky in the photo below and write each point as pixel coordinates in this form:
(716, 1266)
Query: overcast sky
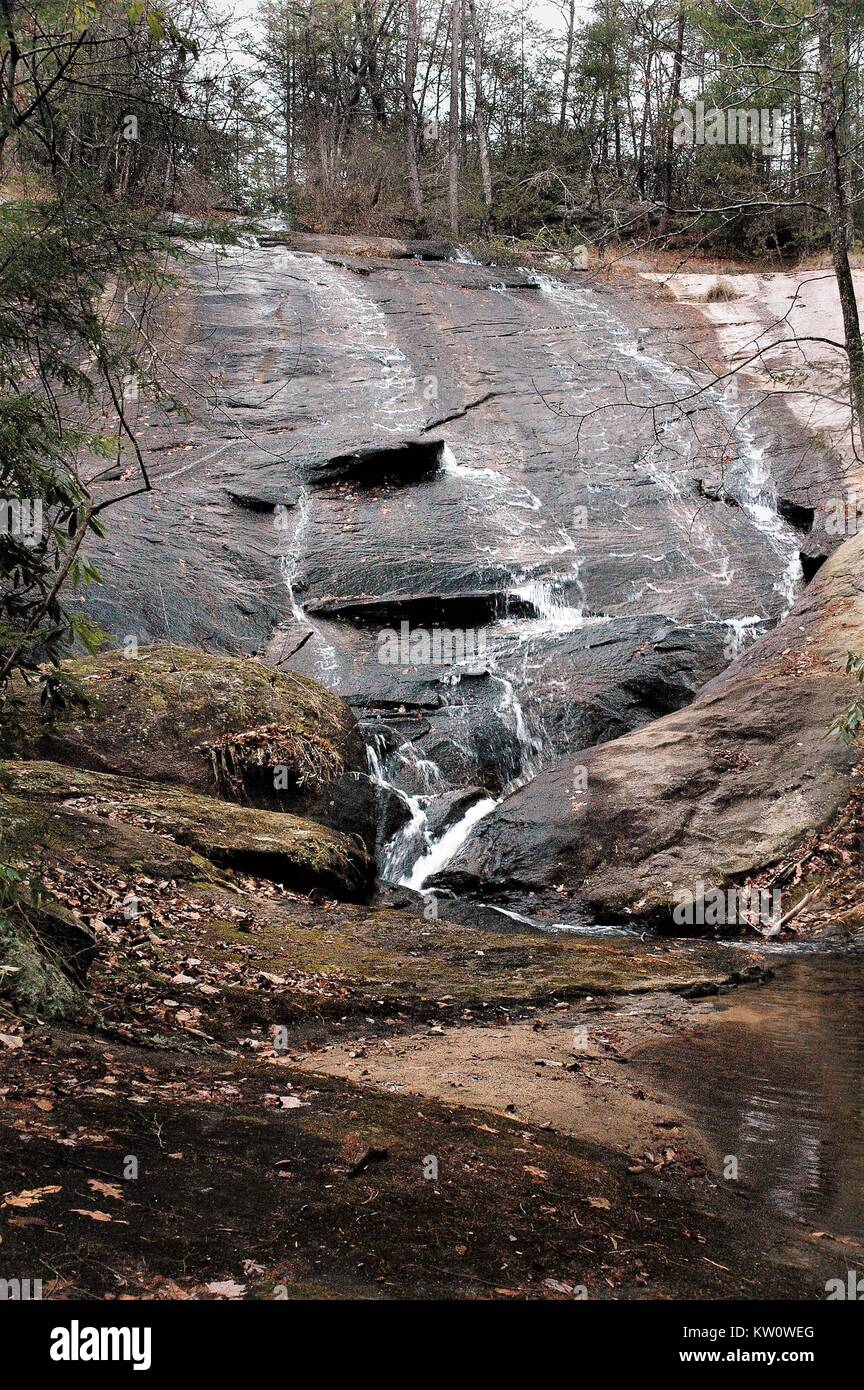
(546, 11)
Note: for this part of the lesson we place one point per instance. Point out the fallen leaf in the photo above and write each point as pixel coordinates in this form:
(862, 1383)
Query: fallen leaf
(29, 1197)
(557, 1286)
(105, 1189)
(226, 1289)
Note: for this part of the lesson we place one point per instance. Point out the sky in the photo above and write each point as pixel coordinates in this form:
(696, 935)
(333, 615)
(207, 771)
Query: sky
(544, 10)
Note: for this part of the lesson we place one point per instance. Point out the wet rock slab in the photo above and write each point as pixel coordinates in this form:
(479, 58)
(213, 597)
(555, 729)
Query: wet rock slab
(710, 794)
(548, 498)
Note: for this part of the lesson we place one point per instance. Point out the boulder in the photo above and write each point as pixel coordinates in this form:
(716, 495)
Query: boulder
(334, 244)
(300, 854)
(443, 812)
(215, 724)
(430, 250)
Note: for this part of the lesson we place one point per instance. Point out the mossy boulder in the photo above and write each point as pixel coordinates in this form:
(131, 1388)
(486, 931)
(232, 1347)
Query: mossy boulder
(45, 953)
(35, 831)
(302, 855)
(219, 725)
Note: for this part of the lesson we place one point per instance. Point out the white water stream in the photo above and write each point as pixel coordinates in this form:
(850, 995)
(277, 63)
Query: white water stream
(413, 854)
(747, 478)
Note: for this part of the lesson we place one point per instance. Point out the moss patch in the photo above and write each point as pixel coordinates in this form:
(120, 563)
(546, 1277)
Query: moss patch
(44, 955)
(288, 849)
(163, 713)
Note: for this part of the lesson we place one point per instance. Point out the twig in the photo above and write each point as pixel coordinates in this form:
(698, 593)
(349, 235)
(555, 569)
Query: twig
(793, 911)
(295, 650)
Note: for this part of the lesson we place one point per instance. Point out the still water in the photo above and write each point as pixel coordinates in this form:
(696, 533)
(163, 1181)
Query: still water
(774, 1078)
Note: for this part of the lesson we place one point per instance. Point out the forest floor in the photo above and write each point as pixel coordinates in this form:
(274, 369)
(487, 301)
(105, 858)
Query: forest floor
(383, 1141)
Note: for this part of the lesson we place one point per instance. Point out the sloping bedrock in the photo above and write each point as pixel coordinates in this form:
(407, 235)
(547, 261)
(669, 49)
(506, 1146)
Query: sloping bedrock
(712, 793)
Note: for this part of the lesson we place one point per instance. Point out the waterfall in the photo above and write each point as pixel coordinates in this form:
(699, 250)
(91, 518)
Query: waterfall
(747, 479)
(413, 840)
(442, 851)
(542, 593)
(327, 659)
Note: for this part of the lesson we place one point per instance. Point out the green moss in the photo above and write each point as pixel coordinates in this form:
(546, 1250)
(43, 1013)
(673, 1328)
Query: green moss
(138, 821)
(31, 981)
(397, 958)
(197, 719)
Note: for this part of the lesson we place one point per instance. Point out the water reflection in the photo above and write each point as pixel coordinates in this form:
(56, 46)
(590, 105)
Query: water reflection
(773, 1077)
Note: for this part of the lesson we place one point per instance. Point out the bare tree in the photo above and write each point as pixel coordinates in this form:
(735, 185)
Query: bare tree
(411, 42)
(480, 109)
(829, 125)
(453, 144)
(568, 66)
(674, 98)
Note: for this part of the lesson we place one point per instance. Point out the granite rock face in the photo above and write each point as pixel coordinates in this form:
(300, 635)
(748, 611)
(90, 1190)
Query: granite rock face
(709, 794)
(522, 465)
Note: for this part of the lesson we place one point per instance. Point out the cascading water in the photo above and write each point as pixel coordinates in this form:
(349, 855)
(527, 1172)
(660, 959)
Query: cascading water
(747, 479)
(443, 850)
(412, 840)
(326, 657)
(544, 600)
(413, 853)
(758, 495)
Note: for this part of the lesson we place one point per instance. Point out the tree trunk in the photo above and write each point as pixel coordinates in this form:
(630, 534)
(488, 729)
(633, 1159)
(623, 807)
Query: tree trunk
(848, 105)
(453, 162)
(314, 95)
(7, 94)
(674, 98)
(799, 138)
(829, 121)
(480, 109)
(414, 191)
(568, 67)
(641, 181)
(463, 93)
